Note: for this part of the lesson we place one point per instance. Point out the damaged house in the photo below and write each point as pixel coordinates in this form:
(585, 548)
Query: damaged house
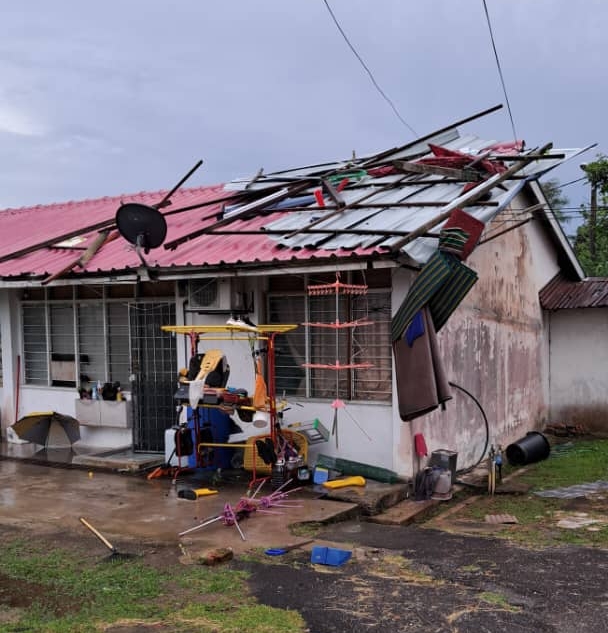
(411, 279)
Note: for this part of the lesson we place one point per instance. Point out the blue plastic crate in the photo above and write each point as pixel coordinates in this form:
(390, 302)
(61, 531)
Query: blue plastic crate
(329, 556)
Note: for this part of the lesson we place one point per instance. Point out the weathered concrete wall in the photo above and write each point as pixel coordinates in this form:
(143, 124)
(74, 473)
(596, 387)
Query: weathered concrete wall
(496, 346)
(579, 367)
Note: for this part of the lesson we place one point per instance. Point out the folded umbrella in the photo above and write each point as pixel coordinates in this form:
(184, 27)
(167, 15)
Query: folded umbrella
(35, 427)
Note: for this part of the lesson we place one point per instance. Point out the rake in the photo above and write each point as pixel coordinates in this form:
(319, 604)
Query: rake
(115, 555)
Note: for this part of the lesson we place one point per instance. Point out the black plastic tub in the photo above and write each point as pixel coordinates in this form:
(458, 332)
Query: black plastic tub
(534, 447)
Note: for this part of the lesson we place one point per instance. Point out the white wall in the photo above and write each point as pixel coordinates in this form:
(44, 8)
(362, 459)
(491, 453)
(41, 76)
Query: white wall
(579, 367)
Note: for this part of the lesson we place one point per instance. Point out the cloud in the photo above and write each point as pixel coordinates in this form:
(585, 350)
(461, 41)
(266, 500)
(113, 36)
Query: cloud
(114, 97)
(19, 122)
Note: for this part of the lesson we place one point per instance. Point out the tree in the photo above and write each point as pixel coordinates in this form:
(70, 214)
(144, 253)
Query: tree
(591, 241)
(556, 198)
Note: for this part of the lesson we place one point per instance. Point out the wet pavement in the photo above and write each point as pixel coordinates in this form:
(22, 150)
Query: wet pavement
(130, 507)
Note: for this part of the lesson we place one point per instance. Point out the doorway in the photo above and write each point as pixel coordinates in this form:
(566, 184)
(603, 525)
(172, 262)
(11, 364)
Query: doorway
(154, 369)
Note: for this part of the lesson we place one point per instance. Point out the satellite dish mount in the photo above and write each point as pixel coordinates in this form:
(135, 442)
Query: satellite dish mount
(145, 226)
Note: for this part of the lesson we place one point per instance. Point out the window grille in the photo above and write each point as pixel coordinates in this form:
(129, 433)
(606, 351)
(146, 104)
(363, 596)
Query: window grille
(370, 344)
(35, 345)
(74, 343)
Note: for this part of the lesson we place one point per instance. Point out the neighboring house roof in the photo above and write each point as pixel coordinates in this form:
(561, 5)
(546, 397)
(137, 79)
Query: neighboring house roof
(563, 294)
(385, 206)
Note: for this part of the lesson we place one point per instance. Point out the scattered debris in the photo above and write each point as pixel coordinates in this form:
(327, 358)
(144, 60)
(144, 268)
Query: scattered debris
(185, 558)
(247, 506)
(578, 520)
(559, 429)
(194, 493)
(216, 556)
(571, 492)
(279, 551)
(501, 518)
(329, 556)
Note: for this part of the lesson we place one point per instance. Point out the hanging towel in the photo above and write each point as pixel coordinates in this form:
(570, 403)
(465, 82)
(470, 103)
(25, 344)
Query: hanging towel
(432, 276)
(422, 385)
(414, 329)
(453, 240)
(445, 281)
(451, 294)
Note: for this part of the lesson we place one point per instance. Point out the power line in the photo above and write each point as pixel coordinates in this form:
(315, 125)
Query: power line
(571, 182)
(368, 71)
(502, 81)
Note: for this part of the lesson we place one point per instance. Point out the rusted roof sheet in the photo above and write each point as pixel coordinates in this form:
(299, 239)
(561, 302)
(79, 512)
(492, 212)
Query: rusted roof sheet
(393, 206)
(563, 294)
(382, 205)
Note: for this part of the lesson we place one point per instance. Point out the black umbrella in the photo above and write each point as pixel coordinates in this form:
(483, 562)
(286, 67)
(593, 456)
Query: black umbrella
(35, 427)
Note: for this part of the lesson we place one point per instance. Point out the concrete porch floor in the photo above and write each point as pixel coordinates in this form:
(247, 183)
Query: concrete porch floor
(78, 455)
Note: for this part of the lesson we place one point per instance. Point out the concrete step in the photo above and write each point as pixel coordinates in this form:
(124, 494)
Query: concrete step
(405, 512)
(372, 499)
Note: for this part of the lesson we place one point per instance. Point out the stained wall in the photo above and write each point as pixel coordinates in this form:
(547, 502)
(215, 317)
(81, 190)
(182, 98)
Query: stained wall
(496, 347)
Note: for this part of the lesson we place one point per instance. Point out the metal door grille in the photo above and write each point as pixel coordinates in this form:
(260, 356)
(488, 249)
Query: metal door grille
(154, 368)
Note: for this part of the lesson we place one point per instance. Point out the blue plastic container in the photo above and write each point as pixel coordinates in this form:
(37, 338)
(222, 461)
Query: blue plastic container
(219, 423)
(321, 475)
(329, 556)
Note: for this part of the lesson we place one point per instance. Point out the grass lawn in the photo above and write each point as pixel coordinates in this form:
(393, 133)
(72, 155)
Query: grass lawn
(569, 464)
(55, 591)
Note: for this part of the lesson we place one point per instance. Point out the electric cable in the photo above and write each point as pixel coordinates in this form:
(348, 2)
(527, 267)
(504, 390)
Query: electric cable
(487, 427)
(502, 80)
(368, 71)
(571, 182)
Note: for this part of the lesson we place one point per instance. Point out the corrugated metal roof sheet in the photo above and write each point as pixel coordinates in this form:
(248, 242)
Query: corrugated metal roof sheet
(563, 294)
(385, 207)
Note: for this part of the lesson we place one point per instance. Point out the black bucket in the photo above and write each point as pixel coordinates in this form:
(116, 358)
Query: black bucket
(532, 448)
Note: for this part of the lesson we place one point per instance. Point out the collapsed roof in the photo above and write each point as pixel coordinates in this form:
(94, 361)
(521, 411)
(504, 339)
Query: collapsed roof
(390, 205)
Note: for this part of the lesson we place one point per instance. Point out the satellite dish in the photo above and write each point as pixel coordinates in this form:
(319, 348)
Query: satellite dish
(141, 225)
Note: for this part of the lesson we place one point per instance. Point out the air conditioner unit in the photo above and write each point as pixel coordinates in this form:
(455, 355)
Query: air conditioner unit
(210, 294)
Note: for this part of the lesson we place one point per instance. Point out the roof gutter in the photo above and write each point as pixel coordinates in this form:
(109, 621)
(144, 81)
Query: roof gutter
(81, 281)
(273, 270)
(269, 269)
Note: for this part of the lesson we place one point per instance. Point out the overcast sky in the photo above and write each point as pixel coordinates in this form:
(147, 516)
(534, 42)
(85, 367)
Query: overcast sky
(121, 96)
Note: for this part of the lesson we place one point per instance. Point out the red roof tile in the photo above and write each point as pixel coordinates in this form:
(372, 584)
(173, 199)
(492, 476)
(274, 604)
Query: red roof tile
(28, 227)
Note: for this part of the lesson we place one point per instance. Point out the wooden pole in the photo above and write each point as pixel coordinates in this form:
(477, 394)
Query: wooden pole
(95, 246)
